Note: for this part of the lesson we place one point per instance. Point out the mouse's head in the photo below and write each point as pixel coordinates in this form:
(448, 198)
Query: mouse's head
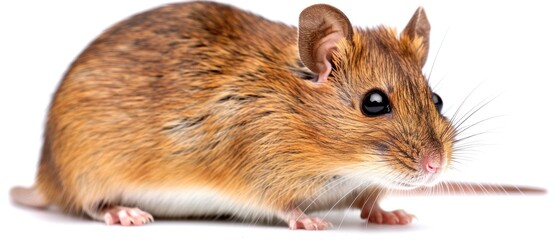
(374, 99)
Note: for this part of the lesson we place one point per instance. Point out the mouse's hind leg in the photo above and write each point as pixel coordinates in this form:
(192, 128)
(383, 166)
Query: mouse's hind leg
(125, 216)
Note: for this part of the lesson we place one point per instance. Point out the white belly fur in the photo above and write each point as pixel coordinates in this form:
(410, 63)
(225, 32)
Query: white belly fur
(206, 202)
(196, 202)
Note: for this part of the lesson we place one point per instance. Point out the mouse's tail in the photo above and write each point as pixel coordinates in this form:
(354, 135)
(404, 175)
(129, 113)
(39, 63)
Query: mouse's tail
(465, 188)
(28, 197)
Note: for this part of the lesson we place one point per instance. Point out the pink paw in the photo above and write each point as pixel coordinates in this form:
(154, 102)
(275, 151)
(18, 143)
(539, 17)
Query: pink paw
(308, 223)
(379, 216)
(127, 216)
(296, 219)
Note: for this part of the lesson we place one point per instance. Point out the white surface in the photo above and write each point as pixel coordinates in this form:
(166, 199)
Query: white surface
(510, 51)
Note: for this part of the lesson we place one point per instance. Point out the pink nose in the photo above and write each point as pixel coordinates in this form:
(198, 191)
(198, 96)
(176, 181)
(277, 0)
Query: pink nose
(432, 164)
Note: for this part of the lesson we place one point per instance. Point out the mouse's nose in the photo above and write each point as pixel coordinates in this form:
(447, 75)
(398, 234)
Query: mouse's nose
(432, 163)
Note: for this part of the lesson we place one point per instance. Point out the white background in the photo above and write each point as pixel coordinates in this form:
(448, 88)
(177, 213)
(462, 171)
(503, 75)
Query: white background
(507, 50)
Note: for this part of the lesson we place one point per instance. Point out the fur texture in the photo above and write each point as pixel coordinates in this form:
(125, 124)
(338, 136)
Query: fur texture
(203, 97)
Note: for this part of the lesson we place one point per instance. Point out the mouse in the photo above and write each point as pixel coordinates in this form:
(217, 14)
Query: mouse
(201, 109)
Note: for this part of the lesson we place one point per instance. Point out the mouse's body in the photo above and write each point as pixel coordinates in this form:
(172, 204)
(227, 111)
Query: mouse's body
(201, 109)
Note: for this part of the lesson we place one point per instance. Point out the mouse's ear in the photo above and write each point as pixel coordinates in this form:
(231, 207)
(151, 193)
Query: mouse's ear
(320, 27)
(417, 31)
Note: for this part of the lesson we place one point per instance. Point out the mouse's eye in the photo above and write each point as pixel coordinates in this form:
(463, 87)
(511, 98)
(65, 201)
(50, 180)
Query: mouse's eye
(438, 102)
(375, 103)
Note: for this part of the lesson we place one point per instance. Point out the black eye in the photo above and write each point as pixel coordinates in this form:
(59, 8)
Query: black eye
(375, 103)
(438, 102)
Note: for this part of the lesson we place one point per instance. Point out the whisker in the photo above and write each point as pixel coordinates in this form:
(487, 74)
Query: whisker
(326, 189)
(351, 204)
(435, 59)
(382, 191)
(342, 198)
(453, 118)
(472, 112)
(469, 137)
(465, 128)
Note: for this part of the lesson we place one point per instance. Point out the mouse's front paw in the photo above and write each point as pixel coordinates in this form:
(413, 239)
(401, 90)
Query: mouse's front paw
(296, 219)
(127, 216)
(379, 216)
(309, 223)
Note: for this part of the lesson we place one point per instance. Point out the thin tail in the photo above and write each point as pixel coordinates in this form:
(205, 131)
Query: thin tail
(28, 197)
(464, 188)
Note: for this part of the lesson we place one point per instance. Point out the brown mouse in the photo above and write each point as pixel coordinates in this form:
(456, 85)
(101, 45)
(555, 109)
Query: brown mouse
(201, 109)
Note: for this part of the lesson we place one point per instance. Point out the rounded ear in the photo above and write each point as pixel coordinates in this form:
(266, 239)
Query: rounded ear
(320, 27)
(417, 31)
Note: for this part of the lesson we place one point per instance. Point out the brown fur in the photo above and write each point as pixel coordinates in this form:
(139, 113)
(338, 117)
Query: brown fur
(203, 94)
